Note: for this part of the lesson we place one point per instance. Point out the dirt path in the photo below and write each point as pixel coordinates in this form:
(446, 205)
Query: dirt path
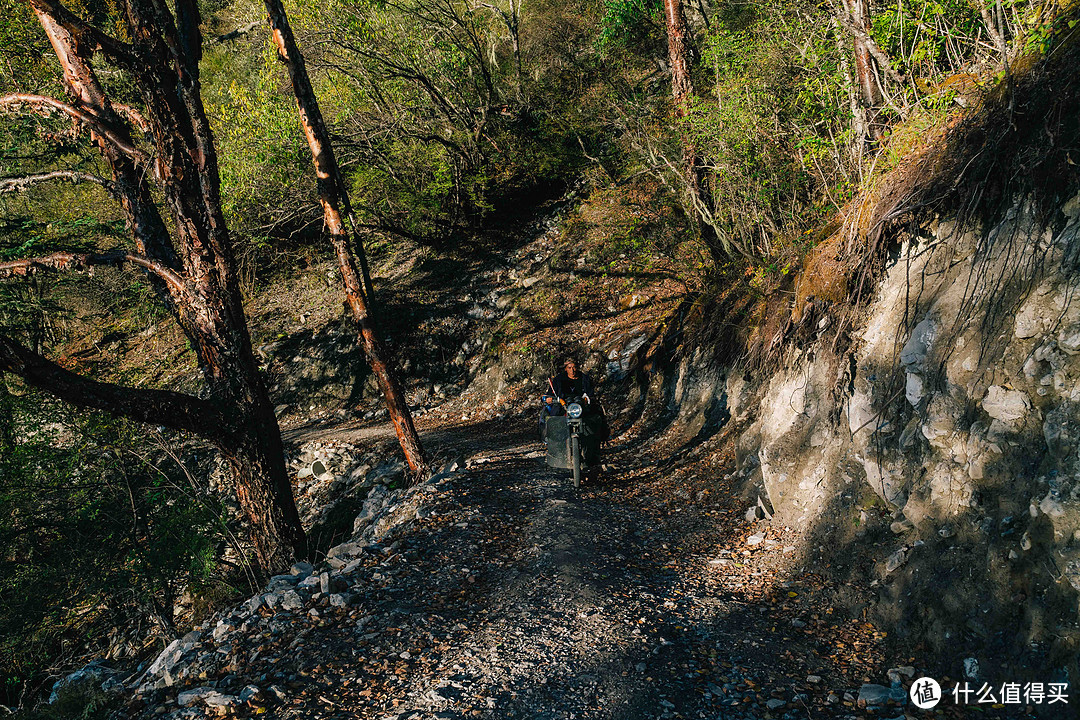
(517, 596)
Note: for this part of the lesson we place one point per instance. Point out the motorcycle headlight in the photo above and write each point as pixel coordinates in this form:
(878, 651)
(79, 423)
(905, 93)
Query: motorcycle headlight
(574, 410)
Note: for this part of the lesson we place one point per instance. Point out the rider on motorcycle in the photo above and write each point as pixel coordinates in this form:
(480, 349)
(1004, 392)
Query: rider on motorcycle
(573, 385)
(569, 383)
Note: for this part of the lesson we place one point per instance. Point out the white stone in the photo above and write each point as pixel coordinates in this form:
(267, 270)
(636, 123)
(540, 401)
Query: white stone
(1006, 405)
(1061, 429)
(895, 560)
(1051, 506)
(915, 390)
(860, 412)
(877, 695)
(190, 697)
(91, 678)
(221, 631)
(303, 569)
(1029, 322)
(1069, 339)
(888, 485)
(216, 699)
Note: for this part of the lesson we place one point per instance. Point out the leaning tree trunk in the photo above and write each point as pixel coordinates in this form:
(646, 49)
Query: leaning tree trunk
(336, 209)
(193, 270)
(680, 55)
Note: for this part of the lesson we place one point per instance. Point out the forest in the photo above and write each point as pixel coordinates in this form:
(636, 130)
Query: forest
(168, 167)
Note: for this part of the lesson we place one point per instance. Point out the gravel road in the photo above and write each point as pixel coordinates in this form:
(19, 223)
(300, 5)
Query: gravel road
(513, 595)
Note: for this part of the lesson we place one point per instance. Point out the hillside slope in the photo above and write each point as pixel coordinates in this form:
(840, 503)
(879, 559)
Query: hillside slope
(890, 489)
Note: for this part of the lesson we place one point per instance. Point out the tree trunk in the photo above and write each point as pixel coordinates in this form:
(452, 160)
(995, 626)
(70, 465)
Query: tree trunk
(336, 208)
(265, 493)
(251, 444)
(680, 56)
(858, 12)
(515, 38)
(858, 112)
(680, 53)
(194, 270)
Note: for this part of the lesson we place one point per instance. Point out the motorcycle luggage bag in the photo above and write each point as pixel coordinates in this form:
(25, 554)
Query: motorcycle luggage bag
(558, 442)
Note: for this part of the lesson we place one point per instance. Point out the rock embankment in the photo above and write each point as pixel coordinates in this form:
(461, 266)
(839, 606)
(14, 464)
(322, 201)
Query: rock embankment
(943, 446)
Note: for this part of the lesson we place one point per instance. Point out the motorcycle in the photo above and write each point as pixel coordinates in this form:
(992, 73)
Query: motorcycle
(572, 443)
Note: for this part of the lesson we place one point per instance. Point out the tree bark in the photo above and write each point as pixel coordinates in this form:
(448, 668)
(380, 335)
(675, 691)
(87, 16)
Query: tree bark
(192, 268)
(858, 21)
(680, 57)
(158, 407)
(336, 209)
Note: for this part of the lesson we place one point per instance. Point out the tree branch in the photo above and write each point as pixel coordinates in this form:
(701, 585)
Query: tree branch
(89, 36)
(24, 183)
(158, 407)
(79, 261)
(237, 33)
(134, 116)
(47, 106)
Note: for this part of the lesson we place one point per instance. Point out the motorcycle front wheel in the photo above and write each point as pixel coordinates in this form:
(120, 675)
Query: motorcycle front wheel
(575, 453)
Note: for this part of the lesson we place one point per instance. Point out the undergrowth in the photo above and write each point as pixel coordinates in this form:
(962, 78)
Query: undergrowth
(1017, 144)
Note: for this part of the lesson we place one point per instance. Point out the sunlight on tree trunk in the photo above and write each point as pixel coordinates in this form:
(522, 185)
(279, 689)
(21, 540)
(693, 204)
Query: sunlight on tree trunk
(336, 209)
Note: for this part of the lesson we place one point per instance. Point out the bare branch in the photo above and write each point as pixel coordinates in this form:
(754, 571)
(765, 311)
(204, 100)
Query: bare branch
(159, 407)
(237, 33)
(24, 183)
(134, 116)
(500, 12)
(47, 106)
(79, 261)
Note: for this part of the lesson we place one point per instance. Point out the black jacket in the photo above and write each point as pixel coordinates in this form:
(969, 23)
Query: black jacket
(566, 388)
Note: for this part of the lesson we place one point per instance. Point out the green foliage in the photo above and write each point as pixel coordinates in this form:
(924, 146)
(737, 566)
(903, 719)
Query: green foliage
(434, 125)
(24, 237)
(262, 155)
(932, 41)
(630, 23)
(758, 95)
(420, 100)
(30, 307)
(24, 66)
(99, 528)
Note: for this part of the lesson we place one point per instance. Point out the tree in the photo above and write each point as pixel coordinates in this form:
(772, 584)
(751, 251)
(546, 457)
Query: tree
(341, 224)
(191, 265)
(870, 63)
(426, 141)
(680, 56)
